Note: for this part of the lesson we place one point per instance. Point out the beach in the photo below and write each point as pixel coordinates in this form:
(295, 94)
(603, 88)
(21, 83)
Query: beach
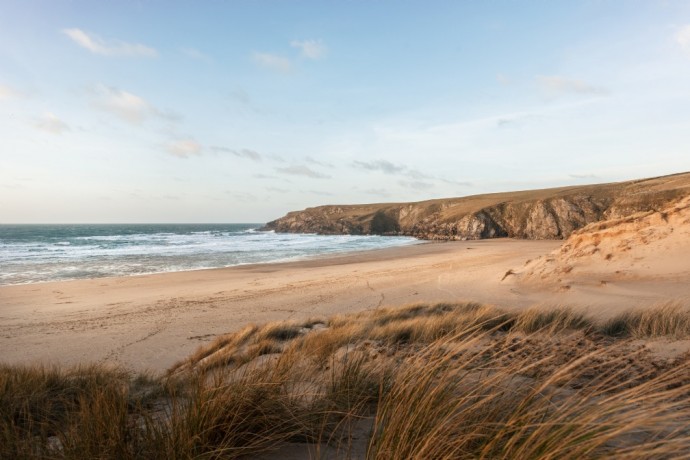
(149, 322)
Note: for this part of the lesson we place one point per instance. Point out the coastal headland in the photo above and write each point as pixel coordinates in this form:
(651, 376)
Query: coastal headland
(530, 214)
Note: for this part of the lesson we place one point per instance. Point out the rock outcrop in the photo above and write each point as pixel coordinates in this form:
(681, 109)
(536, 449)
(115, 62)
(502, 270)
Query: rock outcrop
(535, 214)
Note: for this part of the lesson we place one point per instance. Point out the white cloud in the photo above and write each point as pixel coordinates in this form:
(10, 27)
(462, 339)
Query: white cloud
(503, 79)
(318, 192)
(7, 93)
(318, 163)
(416, 185)
(241, 96)
(683, 37)
(125, 105)
(194, 53)
(377, 192)
(264, 176)
(584, 176)
(380, 165)
(242, 153)
(555, 84)
(97, 45)
(277, 189)
(52, 124)
(311, 49)
(184, 148)
(391, 168)
(462, 183)
(300, 170)
(242, 196)
(128, 106)
(273, 62)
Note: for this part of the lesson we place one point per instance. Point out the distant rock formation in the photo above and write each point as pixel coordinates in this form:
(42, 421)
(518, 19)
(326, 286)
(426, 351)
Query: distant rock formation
(534, 214)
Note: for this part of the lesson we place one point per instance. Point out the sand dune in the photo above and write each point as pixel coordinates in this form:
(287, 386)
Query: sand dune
(643, 247)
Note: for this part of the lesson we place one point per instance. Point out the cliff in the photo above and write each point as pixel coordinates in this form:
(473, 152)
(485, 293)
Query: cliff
(532, 214)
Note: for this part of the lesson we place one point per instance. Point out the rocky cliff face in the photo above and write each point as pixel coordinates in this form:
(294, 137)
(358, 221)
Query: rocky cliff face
(536, 214)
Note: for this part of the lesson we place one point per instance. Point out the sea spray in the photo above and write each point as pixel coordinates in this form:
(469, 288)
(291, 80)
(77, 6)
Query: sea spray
(36, 253)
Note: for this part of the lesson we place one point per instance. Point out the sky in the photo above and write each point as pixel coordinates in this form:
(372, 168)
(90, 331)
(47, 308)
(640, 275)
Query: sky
(240, 111)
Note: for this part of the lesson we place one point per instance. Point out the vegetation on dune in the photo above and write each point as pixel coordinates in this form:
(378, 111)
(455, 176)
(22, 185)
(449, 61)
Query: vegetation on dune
(666, 320)
(423, 381)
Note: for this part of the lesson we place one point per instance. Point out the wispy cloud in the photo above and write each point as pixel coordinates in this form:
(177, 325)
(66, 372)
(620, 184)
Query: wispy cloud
(184, 148)
(242, 196)
(273, 62)
(503, 79)
(264, 176)
(417, 177)
(242, 153)
(377, 192)
(7, 93)
(318, 192)
(301, 170)
(683, 37)
(241, 96)
(50, 123)
(319, 163)
(276, 158)
(556, 84)
(194, 53)
(380, 165)
(584, 176)
(416, 185)
(456, 182)
(277, 189)
(311, 49)
(127, 106)
(97, 45)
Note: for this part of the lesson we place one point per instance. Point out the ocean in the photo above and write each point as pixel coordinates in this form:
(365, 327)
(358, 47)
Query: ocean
(37, 253)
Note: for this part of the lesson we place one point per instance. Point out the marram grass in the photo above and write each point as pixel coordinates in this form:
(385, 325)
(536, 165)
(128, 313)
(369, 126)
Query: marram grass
(422, 381)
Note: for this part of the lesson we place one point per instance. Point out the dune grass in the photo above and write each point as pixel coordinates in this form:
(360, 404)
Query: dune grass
(422, 381)
(554, 320)
(665, 320)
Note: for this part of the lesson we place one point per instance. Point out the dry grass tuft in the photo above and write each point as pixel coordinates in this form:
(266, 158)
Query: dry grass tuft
(666, 320)
(551, 321)
(441, 408)
(423, 381)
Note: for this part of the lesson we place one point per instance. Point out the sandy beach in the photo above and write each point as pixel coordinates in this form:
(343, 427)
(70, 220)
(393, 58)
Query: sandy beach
(152, 321)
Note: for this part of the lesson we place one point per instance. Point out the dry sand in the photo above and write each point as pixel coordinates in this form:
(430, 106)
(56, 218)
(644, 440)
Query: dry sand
(150, 322)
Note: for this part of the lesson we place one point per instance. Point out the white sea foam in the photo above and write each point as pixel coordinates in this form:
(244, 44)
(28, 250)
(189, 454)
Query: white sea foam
(36, 254)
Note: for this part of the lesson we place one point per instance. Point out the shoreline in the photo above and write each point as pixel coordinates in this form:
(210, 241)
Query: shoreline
(185, 263)
(151, 321)
(244, 264)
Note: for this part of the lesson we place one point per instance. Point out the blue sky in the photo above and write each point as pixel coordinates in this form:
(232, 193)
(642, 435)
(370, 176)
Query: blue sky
(239, 111)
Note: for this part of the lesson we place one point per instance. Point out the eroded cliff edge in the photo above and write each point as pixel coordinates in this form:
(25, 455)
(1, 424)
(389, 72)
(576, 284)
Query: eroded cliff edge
(532, 214)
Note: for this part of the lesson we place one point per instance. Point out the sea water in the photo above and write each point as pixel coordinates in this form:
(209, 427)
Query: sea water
(36, 253)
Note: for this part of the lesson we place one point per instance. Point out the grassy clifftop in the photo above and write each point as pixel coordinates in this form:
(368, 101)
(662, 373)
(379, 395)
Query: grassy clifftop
(532, 214)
